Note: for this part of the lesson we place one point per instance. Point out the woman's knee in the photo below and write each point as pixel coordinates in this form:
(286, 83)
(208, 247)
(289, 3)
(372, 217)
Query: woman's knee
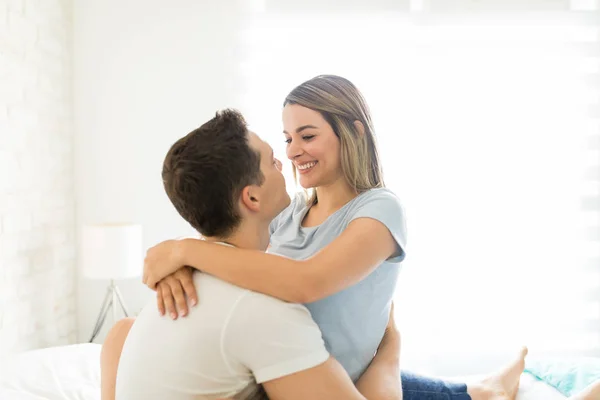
(122, 326)
(117, 334)
(110, 355)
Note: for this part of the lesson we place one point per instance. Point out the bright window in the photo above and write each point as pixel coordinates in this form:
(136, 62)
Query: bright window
(489, 131)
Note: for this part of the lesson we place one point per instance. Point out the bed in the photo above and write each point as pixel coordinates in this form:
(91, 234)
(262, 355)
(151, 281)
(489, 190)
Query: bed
(73, 373)
(56, 373)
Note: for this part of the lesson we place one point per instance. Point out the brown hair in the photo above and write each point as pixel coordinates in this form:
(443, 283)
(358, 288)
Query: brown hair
(205, 171)
(341, 104)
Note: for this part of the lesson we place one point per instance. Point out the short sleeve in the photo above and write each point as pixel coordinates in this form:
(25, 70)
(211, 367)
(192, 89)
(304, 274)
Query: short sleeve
(272, 338)
(384, 206)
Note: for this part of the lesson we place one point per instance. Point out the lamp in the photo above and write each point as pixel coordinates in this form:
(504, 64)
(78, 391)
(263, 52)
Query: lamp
(111, 252)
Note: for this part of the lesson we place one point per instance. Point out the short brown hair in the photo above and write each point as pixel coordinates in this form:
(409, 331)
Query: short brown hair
(205, 171)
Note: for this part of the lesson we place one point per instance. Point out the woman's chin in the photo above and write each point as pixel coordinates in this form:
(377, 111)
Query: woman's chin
(306, 183)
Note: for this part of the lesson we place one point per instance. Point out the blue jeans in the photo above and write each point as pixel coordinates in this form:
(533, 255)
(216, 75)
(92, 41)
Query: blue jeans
(416, 387)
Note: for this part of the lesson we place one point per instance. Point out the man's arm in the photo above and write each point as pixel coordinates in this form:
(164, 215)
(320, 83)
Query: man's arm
(329, 380)
(381, 380)
(323, 382)
(290, 361)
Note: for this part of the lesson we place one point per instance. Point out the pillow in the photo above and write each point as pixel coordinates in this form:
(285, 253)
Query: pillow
(568, 375)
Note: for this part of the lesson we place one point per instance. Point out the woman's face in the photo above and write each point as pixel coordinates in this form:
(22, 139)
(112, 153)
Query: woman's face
(312, 146)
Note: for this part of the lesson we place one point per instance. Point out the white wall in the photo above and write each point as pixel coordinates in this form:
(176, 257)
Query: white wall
(37, 294)
(146, 73)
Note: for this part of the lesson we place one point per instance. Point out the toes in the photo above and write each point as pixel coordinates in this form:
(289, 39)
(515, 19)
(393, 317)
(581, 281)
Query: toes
(524, 351)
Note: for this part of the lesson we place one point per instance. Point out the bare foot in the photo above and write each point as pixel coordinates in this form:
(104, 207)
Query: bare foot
(591, 392)
(503, 385)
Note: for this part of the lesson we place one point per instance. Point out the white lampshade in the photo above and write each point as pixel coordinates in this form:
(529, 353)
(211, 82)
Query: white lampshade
(112, 251)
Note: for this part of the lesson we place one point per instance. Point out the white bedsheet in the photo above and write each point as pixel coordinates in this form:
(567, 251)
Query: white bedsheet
(73, 373)
(533, 389)
(57, 373)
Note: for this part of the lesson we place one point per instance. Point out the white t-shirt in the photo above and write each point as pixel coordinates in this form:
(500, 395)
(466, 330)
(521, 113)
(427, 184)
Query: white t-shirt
(233, 340)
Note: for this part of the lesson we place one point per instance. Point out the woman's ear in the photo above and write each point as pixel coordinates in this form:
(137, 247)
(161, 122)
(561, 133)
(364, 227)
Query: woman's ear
(249, 198)
(360, 128)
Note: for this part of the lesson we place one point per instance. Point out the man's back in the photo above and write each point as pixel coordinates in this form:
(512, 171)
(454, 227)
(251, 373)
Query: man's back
(230, 337)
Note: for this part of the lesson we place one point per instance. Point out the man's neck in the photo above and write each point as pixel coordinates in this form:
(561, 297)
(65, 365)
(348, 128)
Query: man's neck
(247, 236)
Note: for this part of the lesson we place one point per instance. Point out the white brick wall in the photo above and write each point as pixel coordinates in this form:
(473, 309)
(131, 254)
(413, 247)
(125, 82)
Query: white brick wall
(37, 244)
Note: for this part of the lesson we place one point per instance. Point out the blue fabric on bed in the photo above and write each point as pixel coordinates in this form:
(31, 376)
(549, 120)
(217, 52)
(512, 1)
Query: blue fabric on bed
(568, 375)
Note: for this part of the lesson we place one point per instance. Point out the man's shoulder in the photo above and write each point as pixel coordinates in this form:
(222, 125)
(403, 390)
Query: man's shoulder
(258, 303)
(266, 305)
(205, 280)
(245, 307)
(266, 312)
(217, 293)
(273, 338)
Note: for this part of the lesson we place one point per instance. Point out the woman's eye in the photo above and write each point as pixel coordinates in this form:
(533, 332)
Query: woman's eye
(305, 137)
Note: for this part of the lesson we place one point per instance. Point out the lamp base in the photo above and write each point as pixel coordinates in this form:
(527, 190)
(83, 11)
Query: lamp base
(113, 296)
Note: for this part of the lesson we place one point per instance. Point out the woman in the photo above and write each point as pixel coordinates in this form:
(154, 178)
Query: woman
(338, 249)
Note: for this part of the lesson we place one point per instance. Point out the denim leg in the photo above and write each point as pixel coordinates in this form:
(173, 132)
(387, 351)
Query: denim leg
(417, 387)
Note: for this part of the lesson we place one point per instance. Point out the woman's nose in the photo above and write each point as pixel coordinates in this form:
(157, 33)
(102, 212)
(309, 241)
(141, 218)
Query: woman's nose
(293, 150)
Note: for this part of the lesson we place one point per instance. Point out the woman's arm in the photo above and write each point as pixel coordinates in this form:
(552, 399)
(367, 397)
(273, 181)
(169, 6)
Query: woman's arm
(361, 247)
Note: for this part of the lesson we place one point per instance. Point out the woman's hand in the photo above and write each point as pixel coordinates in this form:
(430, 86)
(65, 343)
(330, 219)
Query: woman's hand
(162, 260)
(173, 292)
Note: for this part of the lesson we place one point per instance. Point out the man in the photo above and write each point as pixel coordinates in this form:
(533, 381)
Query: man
(226, 183)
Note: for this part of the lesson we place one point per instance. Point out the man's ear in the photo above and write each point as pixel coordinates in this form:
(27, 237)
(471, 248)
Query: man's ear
(250, 198)
(360, 128)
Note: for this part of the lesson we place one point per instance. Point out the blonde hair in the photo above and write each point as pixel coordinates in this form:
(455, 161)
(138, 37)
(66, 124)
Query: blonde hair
(342, 104)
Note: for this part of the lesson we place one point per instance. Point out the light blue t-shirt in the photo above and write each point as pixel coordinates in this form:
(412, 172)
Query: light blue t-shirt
(352, 321)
